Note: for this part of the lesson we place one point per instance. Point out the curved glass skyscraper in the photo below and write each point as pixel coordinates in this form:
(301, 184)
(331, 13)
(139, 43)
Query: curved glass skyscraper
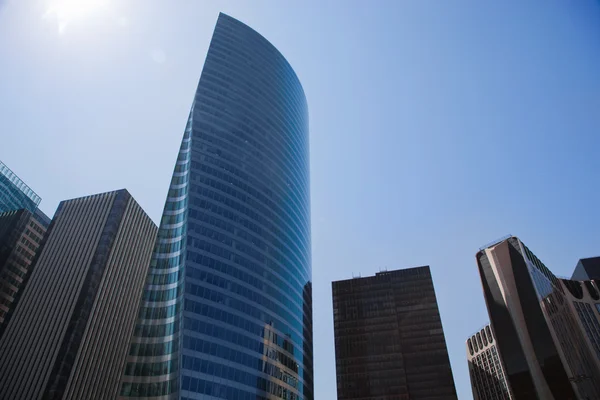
(227, 312)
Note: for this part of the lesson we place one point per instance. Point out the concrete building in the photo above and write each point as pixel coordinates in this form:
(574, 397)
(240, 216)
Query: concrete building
(488, 379)
(545, 327)
(68, 337)
(583, 299)
(389, 341)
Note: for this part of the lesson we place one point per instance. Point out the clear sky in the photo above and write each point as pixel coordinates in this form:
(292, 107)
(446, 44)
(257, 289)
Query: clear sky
(436, 126)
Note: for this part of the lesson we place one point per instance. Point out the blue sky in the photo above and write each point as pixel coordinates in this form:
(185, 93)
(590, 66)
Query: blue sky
(436, 126)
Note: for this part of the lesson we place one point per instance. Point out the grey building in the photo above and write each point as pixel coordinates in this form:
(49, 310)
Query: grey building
(14, 193)
(389, 341)
(586, 269)
(68, 336)
(583, 298)
(541, 324)
(488, 379)
(21, 235)
(227, 306)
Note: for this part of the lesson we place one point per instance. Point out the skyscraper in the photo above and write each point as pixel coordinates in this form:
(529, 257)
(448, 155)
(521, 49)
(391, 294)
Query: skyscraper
(21, 235)
(389, 341)
(546, 354)
(22, 227)
(69, 334)
(226, 311)
(486, 370)
(14, 193)
(586, 269)
(583, 302)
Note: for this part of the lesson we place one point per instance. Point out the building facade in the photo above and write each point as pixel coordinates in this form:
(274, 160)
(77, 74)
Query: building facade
(389, 341)
(21, 235)
(68, 337)
(488, 379)
(227, 309)
(583, 298)
(545, 354)
(586, 269)
(14, 193)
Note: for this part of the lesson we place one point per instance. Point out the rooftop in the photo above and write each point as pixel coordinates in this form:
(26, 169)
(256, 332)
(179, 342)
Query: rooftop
(15, 180)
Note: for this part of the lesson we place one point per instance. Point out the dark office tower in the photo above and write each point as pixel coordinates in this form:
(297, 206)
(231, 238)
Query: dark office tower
(586, 269)
(545, 354)
(389, 341)
(14, 193)
(226, 308)
(69, 334)
(488, 379)
(21, 234)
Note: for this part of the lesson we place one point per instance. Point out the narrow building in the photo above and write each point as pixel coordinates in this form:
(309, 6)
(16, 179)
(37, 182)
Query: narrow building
(488, 379)
(21, 235)
(22, 228)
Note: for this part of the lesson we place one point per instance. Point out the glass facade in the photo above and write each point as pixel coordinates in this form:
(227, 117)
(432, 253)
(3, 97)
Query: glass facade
(227, 310)
(590, 323)
(14, 193)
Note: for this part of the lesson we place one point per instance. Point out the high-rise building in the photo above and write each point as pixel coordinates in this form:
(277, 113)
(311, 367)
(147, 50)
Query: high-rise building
(545, 352)
(21, 234)
(68, 337)
(488, 379)
(389, 341)
(583, 298)
(22, 228)
(14, 193)
(586, 269)
(226, 311)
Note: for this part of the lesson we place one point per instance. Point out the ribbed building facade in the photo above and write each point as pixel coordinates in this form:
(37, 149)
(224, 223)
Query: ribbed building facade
(583, 297)
(14, 193)
(69, 335)
(21, 235)
(389, 340)
(227, 308)
(535, 320)
(488, 379)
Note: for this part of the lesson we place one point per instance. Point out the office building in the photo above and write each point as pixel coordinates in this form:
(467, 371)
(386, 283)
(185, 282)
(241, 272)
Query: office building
(389, 341)
(69, 335)
(14, 193)
(586, 269)
(21, 235)
(545, 353)
(488, 380)
(583, 298)
(233, 244)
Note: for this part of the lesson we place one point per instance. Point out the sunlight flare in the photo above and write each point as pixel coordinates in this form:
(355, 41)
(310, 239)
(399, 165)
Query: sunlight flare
(66, 12)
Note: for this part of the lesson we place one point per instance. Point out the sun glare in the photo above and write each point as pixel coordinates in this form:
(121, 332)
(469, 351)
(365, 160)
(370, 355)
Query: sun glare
(66, 12)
